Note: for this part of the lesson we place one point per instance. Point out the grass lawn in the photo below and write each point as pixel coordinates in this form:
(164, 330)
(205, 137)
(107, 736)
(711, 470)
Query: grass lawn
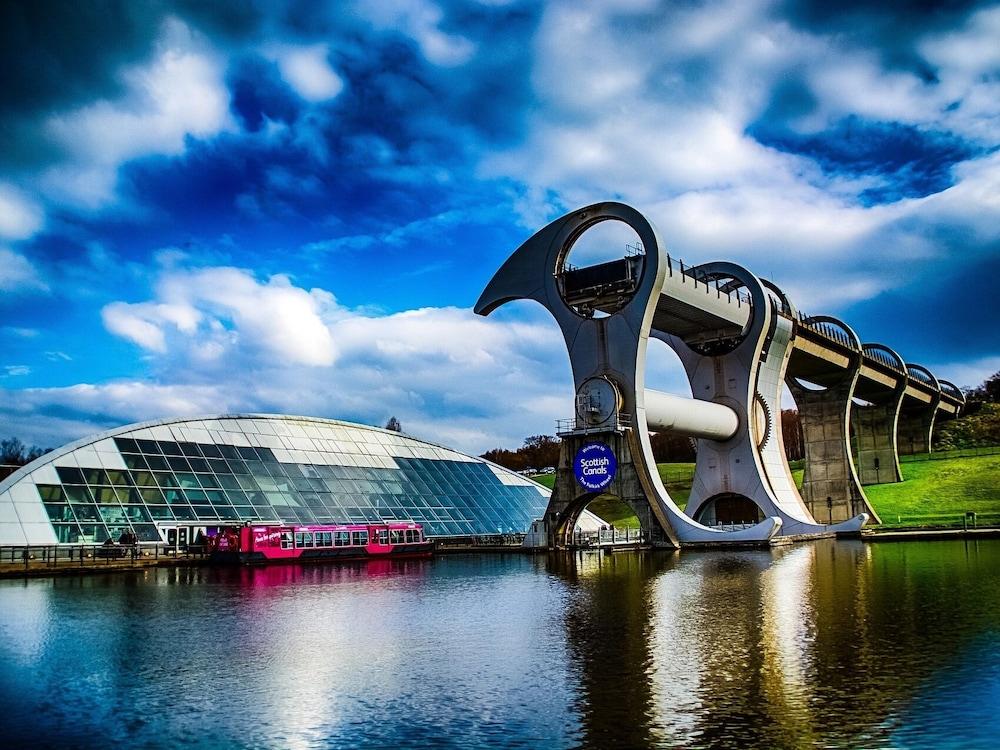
(938, 493)
(932, 493)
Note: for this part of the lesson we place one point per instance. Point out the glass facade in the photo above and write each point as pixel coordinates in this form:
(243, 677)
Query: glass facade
(229, 470)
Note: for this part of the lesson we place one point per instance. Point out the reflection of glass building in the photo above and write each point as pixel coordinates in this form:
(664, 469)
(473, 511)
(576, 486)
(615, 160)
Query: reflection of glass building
(166, 479)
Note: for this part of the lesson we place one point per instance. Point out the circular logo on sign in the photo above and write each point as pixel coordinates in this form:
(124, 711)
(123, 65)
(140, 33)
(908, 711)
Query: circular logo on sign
(594, 466)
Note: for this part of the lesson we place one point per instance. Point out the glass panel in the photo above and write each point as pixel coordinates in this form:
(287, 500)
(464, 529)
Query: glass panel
(229, 482)
(129, 496)
(52, 492)
(59, 512)
(217, 497)
(178, 464)
(209, 481)
(86, 513)
(174, 496)
(70, 475)
(219, 466)
(190, 449)
(198, 464)
(169, 448)
(127, 445)
(135, 462)
(148, 446)
(117, 477)
(160, 512)
(166, 479)
(144, 478)
(96, 476)
(247, 452)
(157, 463)
(205, 511)
(94, 533)
(147, 533)
(209, 450)
(188, 480)
(113, 514)
(105, 495)
(138, 513)
(229, 451)
(196, 497)
(67, 533)
(183, 512)
(227, 512)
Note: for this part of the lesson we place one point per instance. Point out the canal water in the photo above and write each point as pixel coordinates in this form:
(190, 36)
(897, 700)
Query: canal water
(828, 644)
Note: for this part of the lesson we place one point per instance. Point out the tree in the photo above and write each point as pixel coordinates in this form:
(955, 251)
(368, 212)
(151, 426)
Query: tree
(979, 425)
(791, 434)
(394, 425)
(672, 449)
(538, 452)
(16, 453)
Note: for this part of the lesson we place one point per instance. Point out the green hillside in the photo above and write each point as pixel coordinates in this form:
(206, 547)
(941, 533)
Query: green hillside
(935, 492)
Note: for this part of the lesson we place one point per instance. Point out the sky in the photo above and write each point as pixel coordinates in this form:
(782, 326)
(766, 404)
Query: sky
(292, 207)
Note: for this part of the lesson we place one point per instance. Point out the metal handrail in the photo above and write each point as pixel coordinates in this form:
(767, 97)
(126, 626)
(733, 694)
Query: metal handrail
(577, 426)
(54, 556)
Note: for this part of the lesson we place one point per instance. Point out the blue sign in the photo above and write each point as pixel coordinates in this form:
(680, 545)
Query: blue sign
(595, 466)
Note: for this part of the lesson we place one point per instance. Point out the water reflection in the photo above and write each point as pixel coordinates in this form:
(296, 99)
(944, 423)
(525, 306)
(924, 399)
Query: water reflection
(827, 643)
(839, 644)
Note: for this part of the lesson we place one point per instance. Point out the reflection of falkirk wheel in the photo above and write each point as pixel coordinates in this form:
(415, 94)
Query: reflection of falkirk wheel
(743, 489)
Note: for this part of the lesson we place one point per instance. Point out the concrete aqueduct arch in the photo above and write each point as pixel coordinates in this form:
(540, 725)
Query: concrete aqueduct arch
(739, 339)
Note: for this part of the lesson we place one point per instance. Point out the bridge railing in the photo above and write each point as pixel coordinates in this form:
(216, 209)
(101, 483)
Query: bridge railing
(918, 374)
(608, 536)
(577, 426)
(675, 266)
(883, 357)
(828, 331)
(65, 556)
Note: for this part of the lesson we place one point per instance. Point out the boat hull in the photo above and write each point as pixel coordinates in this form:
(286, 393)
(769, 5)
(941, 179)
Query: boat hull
(235, 557)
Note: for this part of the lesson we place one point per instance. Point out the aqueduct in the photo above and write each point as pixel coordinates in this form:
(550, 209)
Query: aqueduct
(740, 340)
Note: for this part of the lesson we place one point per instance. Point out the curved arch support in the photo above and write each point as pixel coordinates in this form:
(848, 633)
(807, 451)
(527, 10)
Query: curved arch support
(611, 348)
(882, 384)
(748, 377)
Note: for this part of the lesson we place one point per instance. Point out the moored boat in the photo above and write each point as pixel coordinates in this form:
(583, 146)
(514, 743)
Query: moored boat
(258, 543)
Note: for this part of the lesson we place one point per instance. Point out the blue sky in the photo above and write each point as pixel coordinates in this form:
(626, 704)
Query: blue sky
(293, 207)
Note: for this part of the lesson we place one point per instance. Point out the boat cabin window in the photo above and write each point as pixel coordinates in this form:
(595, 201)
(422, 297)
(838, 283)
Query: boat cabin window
(396, 536)
(303, 539)
(359, 537)
(342, 538)
(412, 536)
(324, 538)
(383, 536)
(286, 540)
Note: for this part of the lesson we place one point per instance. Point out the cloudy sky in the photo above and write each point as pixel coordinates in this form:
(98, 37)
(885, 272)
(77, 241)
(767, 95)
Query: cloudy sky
(222, 207)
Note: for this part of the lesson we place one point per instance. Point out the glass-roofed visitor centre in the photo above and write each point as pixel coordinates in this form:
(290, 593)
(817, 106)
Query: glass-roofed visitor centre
(166, 480)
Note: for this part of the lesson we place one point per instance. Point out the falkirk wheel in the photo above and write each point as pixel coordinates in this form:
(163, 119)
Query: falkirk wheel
(740, 340)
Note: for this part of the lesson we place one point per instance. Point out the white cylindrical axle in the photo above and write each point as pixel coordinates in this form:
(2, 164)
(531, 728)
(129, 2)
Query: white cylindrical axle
(688, 416)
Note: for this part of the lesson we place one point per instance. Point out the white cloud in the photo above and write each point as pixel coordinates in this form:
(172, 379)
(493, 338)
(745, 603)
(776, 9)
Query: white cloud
(308, 71)
(20, 217)
(217, 310)
(16, 370)
(658, 113)
(450, 375)
(180, 94)
(17, 274)
(421, 21)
